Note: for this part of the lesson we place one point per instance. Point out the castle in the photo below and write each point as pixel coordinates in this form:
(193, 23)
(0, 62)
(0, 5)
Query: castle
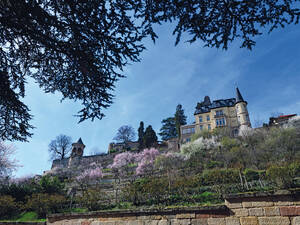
(231, 113)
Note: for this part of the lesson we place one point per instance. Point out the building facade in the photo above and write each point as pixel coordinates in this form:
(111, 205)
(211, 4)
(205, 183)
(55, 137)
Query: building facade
(231, 113)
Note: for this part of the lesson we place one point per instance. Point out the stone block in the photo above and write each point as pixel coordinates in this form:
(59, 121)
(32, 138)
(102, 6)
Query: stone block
(132, 222)
(233, 204)
(156, 217)
(232, 221)
(180, 221)
(290, 211)
(120, 222)
(216, 221)
(275, 220)
(202, 216)
(256, 212)
(76, 222)
(185, 216)
(265, 203)
(296, 220)
(240, 212)
(163, 222)
(271, 211)
(66, 222)
(247, 204)
(201, 221)
(85, 222)
(151, 222)
(251, 220)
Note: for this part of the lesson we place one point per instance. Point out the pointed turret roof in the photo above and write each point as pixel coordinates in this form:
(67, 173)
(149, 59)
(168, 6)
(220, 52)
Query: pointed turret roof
(238, 97)
(79, 141)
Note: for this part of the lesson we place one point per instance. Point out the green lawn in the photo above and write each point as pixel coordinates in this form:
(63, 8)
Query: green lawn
(26, 217)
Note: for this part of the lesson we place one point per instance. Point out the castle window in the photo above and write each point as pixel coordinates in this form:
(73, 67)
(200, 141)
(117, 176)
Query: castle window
(220, 122)
(207, 118)
(208, 127)
(200, 119)
(201, 127)
(193, 130)
(219, 113)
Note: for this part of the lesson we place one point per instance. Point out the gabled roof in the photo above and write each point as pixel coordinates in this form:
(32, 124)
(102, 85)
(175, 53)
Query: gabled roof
(204, 108)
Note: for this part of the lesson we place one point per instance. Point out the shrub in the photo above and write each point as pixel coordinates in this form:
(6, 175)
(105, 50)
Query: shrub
(251, 174)
(93, 199)
(8, 207)
(283, 175)
(220, 176)
(43, 203)
(51, 184)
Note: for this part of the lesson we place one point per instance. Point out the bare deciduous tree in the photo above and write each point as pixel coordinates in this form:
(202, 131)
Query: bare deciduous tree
(7, 165)
(125, 134)
(60, 147)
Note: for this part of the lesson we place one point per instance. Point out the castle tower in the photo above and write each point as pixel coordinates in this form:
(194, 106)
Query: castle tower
(77, 152)
(241, 110)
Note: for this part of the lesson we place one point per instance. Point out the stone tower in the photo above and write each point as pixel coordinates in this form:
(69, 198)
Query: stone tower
(241, 110)
(77, 152)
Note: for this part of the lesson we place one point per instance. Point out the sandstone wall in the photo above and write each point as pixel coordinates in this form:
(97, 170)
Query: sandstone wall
(281, 208)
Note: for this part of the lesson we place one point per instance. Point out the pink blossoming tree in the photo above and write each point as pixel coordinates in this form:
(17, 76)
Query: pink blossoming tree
(146, 161)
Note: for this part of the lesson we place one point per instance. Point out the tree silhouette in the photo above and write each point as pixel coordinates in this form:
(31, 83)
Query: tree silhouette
(60, 147)
(79, 48)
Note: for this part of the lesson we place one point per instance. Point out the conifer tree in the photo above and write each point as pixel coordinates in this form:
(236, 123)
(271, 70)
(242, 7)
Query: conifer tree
(141, 135)
(168, 129)
(150, 138)
(180, 119)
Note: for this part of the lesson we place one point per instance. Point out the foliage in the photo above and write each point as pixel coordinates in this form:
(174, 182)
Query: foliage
(283, 175)
(19, 189)
(179, 118)
(125, 134)
(7, 164)
(8, 206)
(60, 148)
(93, 199)
(141, 135)
(150, 138)
(78, 48)
(168, 129)
(44, 203)
(51, 185)
(220, 176)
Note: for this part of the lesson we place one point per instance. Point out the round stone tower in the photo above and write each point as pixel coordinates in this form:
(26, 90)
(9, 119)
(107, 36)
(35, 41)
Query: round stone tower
(241, 110)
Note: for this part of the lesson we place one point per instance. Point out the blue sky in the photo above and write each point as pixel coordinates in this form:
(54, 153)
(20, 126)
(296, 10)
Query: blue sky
(268, 78)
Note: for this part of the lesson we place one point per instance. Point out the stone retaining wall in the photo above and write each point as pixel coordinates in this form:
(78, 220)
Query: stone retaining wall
(280, 208)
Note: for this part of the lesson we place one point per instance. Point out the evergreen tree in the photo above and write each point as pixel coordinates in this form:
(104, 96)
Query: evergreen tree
(141, 135)
(150, 138)
(180, 118)
(168, 129)
(78, 48)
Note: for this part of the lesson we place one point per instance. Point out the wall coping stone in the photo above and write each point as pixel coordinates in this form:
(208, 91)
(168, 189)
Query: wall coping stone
(218, 209)
(291, 192)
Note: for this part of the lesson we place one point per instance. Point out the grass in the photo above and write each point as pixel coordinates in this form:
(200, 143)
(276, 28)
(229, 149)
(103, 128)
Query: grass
(25, 217)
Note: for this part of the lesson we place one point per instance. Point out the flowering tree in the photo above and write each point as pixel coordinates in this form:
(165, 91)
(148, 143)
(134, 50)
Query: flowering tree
(146, 161)
(122, 162)
(91, 194)
(170, 163)
(7, 165)
(90, 175)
